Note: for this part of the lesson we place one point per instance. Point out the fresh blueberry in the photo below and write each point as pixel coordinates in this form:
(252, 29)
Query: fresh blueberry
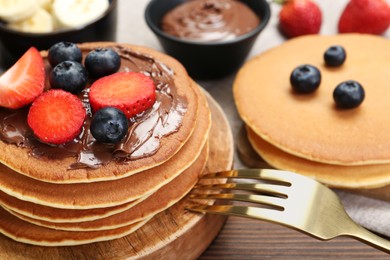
(348, 94)
(305, 78)
(335, 56)
(70, 76)
(109, 125)
(63, 51)
(102, 62)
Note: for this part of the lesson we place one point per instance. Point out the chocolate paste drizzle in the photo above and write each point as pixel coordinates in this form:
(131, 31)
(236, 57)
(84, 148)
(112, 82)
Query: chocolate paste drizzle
(144, 134)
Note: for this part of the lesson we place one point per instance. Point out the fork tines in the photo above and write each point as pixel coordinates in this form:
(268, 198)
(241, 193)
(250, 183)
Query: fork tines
(271, 188)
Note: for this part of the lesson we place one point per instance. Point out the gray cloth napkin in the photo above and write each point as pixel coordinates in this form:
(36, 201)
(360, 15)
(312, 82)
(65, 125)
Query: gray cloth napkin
(370, 213)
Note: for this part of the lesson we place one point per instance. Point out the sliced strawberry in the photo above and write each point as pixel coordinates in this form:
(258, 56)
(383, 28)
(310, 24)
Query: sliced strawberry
(56, 116)
(24, 81)
(131, 92)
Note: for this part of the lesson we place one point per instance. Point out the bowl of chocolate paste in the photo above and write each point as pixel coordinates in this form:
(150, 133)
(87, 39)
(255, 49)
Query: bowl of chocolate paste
(211, 38)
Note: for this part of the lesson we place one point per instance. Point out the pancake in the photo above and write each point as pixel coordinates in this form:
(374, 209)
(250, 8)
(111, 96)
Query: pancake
(162, 199)
(310, 126)
(108, 193)
(25, 232)
(170, 123)
(62, 215)
(358, 176)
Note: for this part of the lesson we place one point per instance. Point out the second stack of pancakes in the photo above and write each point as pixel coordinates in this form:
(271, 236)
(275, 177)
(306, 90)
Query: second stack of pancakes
(307, 133)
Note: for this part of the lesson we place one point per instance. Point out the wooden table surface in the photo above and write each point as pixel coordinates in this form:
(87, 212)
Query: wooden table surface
(252, 239)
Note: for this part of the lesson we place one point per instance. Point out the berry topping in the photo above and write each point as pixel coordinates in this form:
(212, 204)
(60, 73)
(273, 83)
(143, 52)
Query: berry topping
(102, 62)
(305, 78)
(348, 94)
(70, 76)
(63, 51)
(299, 17)
(131, 92)
(56, 116)
(24, 81)
(365, 16)
(335, 56)
(109, 125)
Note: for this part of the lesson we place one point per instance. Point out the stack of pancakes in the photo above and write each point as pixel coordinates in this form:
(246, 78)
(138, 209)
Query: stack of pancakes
(307, 133)
(45, 201)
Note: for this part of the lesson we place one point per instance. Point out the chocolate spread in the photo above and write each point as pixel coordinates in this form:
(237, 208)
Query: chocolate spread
(210, 20)
(144, 134)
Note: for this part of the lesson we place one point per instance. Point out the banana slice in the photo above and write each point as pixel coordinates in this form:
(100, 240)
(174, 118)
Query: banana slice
(74, 13)
(45, 4)
(40, 22)
(17, 10)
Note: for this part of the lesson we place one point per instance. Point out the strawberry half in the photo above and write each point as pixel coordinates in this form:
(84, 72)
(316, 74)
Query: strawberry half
(56, 116)
(24, 81)
(131, 92)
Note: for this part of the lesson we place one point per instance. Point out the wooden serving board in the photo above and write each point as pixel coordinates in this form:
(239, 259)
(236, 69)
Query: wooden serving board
(173, 234)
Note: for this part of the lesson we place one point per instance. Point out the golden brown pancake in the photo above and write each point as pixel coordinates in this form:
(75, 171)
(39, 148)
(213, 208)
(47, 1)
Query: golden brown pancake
(108, 193)
(309, 125)
(358, 176)
(25, 232)
(62, 215)
(57, 170)
(162, 199)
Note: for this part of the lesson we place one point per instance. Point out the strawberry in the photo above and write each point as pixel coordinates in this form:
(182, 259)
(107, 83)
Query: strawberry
(24, 81)
(56, 116)
(131, 92)
(365, 16)
(299, 17)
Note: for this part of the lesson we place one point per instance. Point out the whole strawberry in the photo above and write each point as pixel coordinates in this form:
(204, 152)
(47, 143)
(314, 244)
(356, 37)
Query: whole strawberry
(365, 16)
(299, 17)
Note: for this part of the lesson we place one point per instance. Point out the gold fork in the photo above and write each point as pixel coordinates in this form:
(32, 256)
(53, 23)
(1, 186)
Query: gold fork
(290, 199)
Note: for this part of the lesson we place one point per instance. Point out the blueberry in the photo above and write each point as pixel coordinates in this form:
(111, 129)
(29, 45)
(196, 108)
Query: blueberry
(102, 62)
(70, 76)
(348, 94)
(305, 78)
(63, 51)
(335, 56)
(109, 125)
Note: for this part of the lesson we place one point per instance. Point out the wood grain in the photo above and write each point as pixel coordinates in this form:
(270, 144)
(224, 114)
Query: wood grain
(252, 239)
(172, 234)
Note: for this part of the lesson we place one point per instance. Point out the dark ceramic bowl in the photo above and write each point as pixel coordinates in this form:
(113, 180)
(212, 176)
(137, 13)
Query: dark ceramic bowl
(14, 43)
(206, 59)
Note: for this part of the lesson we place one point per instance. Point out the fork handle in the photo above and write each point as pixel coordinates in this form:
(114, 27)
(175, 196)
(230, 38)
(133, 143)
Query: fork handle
(370, 238)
